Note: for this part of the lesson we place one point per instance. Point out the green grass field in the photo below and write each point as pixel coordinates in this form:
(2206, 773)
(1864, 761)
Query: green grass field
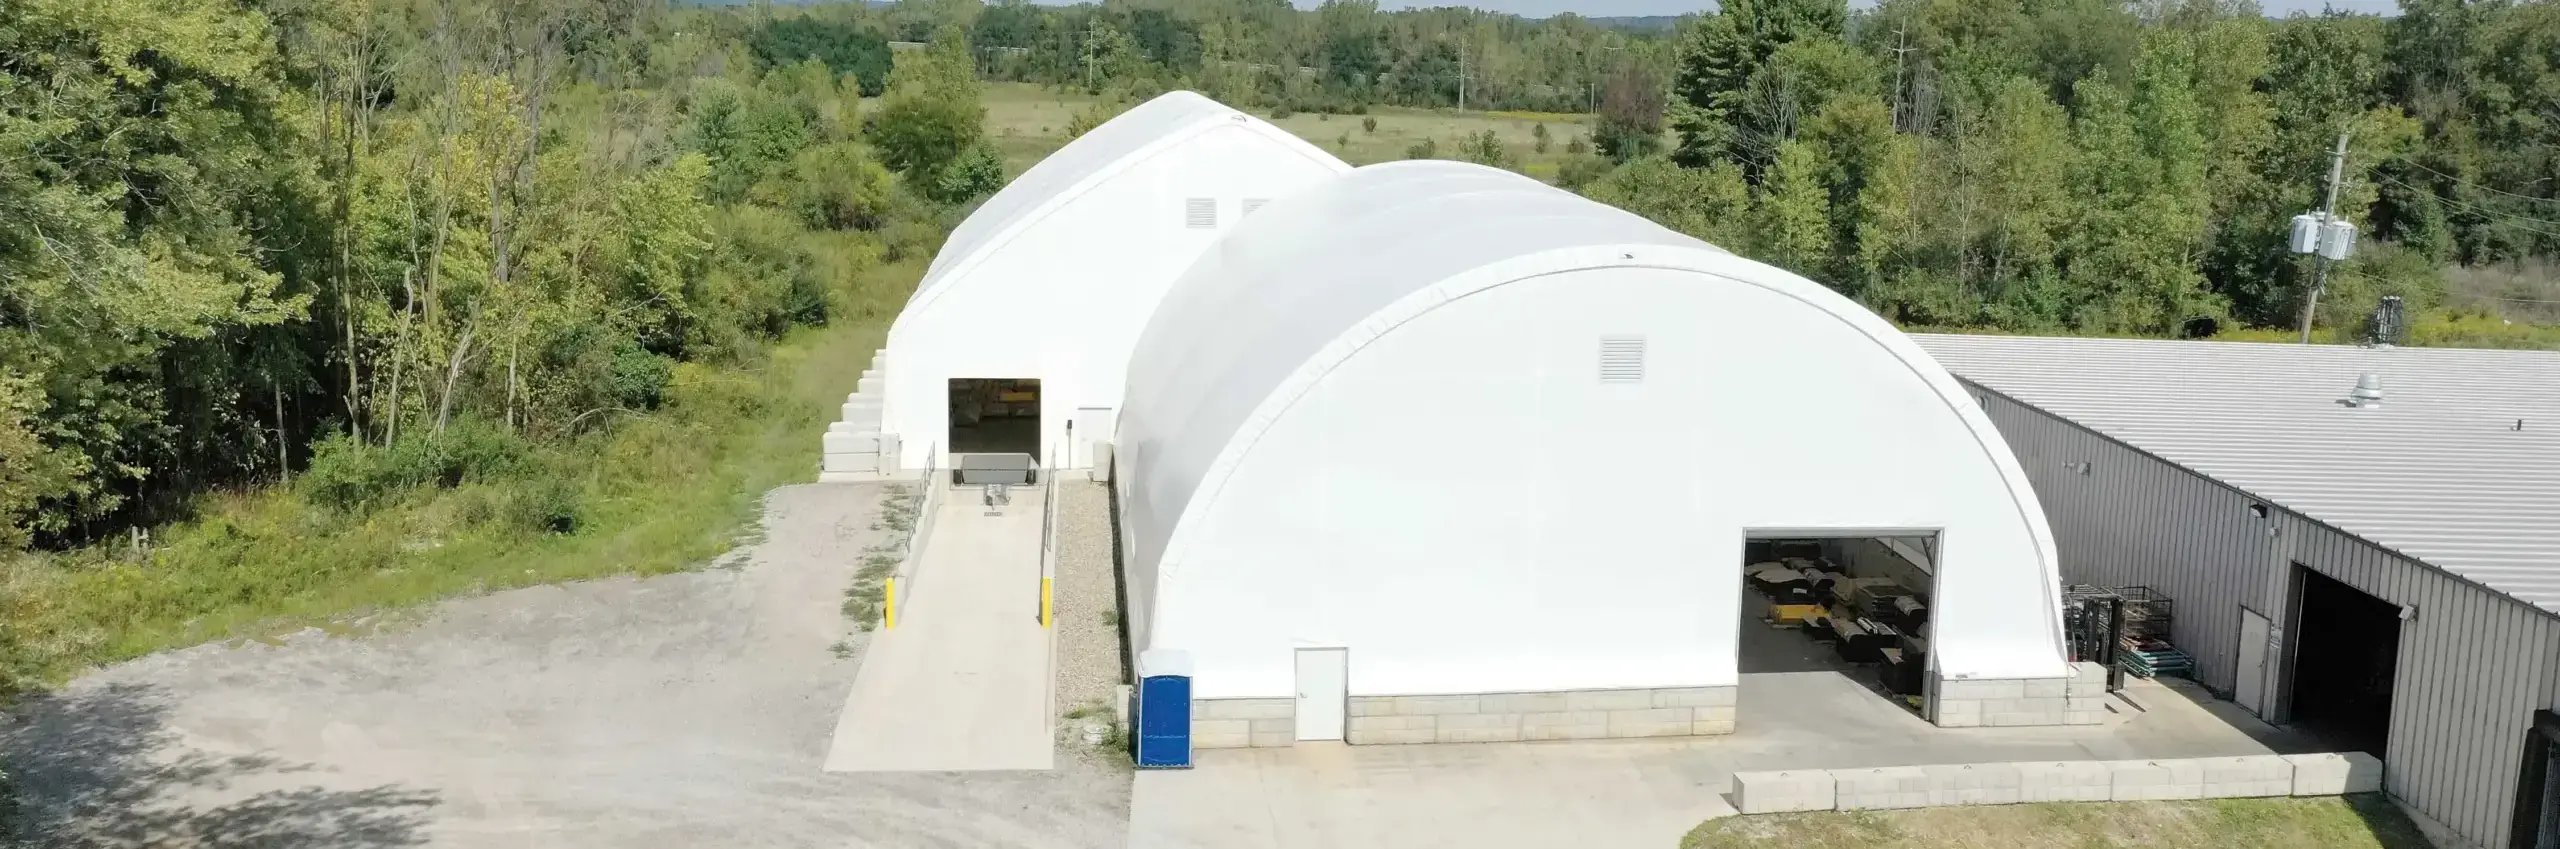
(2358, 822)
(670, 490)
(1028, 121)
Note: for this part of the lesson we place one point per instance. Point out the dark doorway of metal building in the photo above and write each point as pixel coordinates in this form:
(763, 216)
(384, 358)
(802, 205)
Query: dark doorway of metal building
(2537, 823)
(2346, 662)
(995, 416)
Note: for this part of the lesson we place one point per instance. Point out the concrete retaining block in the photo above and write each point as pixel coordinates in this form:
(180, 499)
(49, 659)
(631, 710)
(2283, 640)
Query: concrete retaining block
(1880, 788)
(2065, 781)
(840, 462)
(1972, 784)
(851, 443)
(1782, 792)
(2243, 777)
(2154, 780)
(2335, 774)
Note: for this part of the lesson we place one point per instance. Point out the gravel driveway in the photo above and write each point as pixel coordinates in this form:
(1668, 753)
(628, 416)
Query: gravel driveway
(685, 710)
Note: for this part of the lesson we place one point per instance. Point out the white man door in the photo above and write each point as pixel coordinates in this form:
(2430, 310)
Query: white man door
(1323, 692)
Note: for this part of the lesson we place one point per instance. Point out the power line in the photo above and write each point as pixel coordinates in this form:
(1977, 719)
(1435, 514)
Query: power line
(2481, 210)
(2553, 201)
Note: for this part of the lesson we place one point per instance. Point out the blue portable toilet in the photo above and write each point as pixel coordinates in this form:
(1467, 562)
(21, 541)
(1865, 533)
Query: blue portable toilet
(1164, 709)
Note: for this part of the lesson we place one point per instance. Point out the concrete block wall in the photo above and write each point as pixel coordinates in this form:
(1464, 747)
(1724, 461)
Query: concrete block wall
(1243, 723)
(853, 448)
(2015, 702)
(1937, 785)
(1566, 715)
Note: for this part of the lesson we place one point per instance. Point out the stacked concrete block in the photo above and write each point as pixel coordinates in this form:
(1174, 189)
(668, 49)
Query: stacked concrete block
(2335, 774)
(2085, 697)
(2065, 781)
(2156, 780)
(1880, 788)
(1243, 723)
(2017, 702)
(1973, 784)
(854, 448)
(1783, 792)
(2245, 777)
(1567, 715)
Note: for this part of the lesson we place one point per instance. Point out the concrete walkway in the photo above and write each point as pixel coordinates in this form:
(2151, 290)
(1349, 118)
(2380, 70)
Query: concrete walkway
(1621, 793)
(963, 682)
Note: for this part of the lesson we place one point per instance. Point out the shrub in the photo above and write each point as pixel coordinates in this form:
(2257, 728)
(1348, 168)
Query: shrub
(350, 476)
(547, 505)
(1282, 111)
(1369, 125)
(640, 378)
(1427, 148)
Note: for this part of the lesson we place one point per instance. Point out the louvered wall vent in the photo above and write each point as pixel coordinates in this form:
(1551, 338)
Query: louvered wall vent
(1200, 213)
(1251, 204)
(1622, 359)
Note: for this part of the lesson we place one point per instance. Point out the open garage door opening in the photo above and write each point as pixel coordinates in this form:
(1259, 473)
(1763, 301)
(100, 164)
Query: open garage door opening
(995, 416)
(2345, 664)
(1854, 607)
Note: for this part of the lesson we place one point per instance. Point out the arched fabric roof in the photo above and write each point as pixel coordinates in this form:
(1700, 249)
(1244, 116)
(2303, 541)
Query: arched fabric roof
(1267, 297)
(1262, 316)
(1090, 158)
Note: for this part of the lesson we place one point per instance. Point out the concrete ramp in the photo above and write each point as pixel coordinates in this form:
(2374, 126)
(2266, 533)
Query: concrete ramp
(963, 681)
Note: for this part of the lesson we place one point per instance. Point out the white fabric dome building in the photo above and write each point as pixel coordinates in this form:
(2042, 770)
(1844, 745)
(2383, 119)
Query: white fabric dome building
(1051, 280)
(1434, 429)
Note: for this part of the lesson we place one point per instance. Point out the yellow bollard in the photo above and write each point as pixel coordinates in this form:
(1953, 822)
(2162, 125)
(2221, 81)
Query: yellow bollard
(1044, 601)
(889, 603)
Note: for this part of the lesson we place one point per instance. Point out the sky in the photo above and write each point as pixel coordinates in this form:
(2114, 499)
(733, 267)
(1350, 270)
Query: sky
(1611, 8)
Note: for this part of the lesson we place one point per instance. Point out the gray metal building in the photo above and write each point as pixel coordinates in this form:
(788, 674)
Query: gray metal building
(2330, 558)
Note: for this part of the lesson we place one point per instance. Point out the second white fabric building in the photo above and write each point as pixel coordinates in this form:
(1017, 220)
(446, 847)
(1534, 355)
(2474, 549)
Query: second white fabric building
(1477, 435)
(1052, 279)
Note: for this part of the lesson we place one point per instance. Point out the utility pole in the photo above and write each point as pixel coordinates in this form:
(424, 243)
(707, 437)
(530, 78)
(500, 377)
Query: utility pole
(2319, 254)
(1900, 41)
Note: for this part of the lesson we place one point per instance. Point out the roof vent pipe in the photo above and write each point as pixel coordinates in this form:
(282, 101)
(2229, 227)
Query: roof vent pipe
(2368, 391)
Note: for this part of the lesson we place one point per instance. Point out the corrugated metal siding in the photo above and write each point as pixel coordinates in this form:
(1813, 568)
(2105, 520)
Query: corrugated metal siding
(2133, 520)
(2473, 664)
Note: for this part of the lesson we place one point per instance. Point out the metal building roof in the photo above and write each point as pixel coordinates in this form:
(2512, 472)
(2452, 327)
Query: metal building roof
(2458, 467)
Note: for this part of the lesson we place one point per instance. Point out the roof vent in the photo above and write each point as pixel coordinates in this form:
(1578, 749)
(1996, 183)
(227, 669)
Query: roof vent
(1622, 359)
(1200, 213)
(2368, 391)
(1253, 204)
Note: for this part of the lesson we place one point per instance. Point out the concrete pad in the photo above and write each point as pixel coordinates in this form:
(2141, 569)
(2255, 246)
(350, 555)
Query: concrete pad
(963, 682)
(1633, 792)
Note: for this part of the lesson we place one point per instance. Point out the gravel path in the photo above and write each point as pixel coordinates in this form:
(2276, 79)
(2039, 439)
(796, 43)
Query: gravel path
(1086, 601)
(685, 710)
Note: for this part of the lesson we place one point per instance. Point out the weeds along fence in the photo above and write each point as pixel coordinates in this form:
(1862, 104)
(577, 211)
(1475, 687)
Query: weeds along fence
(928, 501)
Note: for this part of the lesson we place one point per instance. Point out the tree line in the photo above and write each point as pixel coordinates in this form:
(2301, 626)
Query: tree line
(366, 245)
(2101, 167)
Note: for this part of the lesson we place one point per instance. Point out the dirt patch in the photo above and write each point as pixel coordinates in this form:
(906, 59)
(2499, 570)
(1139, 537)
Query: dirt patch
(680, 710)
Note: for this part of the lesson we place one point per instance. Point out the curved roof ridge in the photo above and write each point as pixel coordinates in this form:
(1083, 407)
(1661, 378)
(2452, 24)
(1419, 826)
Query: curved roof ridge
(1086, 161)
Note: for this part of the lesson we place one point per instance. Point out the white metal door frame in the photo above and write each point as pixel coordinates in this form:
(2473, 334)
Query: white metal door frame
(2257, 643)
(1324, 692)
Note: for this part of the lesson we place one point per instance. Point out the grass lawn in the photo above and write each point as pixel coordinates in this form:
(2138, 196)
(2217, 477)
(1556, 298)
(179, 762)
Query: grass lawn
(669, 490)
(1028, 121)
(2357, 822)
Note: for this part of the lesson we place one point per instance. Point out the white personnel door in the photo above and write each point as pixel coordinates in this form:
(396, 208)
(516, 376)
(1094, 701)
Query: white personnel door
(2250, 690)
(1324, 681)
(1092, 425)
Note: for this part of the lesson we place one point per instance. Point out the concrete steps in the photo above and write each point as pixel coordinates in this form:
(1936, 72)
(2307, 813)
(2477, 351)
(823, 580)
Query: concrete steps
(854, 449)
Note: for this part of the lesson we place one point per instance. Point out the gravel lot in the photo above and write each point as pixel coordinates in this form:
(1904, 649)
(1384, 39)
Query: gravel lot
(687, 710)
(1086, 604)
